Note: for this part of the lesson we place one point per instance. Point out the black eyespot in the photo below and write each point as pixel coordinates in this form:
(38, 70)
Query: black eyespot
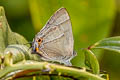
(39, 40)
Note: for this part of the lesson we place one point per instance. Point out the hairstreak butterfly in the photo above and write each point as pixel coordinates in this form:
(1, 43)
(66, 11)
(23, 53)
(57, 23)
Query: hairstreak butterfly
(55, 41)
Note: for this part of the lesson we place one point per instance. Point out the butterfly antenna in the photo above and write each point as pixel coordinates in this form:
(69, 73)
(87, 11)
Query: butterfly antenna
(82, 48)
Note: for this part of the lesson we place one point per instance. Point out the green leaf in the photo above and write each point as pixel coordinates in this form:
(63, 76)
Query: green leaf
(4, 30)
(15, 38)
(59, 78)
(8, 37)
(112, 44)
(91, 61)
(11, 42)
(20, 53)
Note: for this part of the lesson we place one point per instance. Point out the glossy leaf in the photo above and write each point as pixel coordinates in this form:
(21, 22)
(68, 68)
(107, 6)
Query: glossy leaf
(91, 61)
(112, 44)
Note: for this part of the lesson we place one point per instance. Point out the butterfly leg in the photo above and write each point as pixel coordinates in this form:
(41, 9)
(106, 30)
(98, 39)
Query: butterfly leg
(67, 63)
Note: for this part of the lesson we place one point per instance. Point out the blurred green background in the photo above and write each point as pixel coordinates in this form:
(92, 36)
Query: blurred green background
(92, 20)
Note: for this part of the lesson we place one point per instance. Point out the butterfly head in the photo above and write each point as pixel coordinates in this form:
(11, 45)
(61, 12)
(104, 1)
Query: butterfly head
(36, 44)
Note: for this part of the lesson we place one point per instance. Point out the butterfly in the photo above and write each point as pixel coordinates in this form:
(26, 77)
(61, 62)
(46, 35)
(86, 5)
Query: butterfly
(55, 41)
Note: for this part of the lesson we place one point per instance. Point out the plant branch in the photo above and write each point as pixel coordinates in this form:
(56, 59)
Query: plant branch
(62, 70)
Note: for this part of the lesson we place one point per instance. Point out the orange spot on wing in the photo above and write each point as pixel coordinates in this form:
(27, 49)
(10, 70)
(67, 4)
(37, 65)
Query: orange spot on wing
(36, 49)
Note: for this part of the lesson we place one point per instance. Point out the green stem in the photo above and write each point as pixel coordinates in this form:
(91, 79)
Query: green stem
(62, 70)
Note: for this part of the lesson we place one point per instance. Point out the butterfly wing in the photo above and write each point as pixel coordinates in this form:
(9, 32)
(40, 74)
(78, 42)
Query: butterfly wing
(57, 38)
